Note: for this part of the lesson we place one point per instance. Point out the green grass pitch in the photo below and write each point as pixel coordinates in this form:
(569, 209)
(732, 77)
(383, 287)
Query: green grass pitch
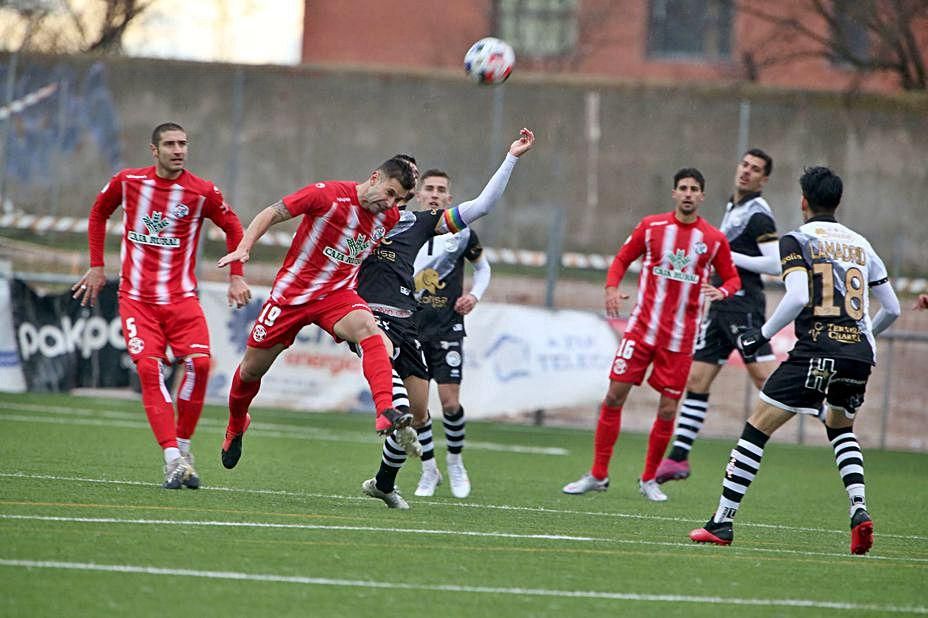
(86, 530)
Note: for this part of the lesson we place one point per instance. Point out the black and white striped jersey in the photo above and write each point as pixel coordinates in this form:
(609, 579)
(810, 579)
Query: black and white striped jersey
(842, 266)
(746, 225)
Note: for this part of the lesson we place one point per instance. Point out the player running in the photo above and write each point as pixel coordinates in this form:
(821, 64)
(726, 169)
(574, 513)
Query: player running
(386, 283)
(343, 222)
(836, 269)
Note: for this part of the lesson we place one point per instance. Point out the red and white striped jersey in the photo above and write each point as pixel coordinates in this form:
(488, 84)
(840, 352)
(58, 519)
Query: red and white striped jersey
(677, 259)
(333, 238)
(162, 219)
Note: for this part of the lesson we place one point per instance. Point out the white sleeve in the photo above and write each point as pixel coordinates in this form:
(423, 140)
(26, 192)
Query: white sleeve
(768, 263)
(481, 205)
(481, 277)
(889, 307)
(796, 297)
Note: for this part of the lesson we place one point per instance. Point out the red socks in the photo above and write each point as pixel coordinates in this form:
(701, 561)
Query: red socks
(607, 432)
(240, 397)
(190, 396)
(378, 371)
(661, 432)
(157, 402)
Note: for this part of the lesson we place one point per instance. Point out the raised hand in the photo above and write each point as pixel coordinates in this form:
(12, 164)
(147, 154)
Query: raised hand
(522, 145)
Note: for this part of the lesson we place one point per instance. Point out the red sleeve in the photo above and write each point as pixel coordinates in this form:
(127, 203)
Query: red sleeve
(628, 253)
(725, 268)
(108, 200)
(220, 213)
(309, 200)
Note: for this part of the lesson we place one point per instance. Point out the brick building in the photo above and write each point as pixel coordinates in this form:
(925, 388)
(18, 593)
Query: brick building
(655, 40)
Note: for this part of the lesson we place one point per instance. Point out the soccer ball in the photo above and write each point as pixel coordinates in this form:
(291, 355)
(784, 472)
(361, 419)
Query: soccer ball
(489, 61)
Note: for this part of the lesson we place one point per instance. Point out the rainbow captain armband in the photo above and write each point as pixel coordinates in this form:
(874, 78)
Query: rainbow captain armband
(453, 220)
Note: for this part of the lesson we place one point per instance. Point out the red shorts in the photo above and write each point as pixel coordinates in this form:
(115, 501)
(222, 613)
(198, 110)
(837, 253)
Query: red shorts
(281, 323)
(669, 371)
(148, 329)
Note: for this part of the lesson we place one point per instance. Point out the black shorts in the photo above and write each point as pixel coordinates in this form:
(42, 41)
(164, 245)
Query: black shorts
(408, 359)
(445, 360)
(801, 385)
(717, 335)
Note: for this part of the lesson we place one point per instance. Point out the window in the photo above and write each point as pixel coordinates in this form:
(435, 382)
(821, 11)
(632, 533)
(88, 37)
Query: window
(849, 33)
(538, 28)
(690, 29)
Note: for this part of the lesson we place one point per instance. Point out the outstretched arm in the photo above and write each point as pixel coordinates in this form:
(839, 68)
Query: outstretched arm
(273, 214)
(457, 218)
(795, 298)
(222, 215)
(768, 263)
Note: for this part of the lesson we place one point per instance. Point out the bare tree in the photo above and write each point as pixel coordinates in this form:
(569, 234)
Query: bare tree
(68, 26)
(870, 36)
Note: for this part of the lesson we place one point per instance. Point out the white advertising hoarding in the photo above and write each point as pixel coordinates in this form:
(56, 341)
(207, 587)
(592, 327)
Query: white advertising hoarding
(516, 359)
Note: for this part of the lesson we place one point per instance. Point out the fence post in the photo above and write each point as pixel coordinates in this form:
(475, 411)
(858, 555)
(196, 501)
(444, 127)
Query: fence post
(6, 122)
(553, 258)
(553, 261)
(887, 394)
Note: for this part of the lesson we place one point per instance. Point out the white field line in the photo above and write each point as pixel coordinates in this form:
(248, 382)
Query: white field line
(521, 592)
(435, 532)
(451, 504)
(261, 524)
(452, 533)
(128, 420)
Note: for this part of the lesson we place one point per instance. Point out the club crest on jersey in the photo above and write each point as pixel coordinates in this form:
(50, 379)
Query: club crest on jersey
(155, 224)
(356, 246)
(379, 232)
(700, 248)
(678, 261)
(136, 345)
(179, 211)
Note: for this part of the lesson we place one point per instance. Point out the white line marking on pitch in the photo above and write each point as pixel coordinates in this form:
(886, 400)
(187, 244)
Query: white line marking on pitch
(455, 533)
(113, 418)
(522, 592)
(453, 504)
(253, 524)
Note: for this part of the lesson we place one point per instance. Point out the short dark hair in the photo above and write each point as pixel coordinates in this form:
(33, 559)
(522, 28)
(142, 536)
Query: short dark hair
(406, 157)
(163, 127)
(434, 172)
(401, 170)
(760, 154)
(822, 189)
(690, 172)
